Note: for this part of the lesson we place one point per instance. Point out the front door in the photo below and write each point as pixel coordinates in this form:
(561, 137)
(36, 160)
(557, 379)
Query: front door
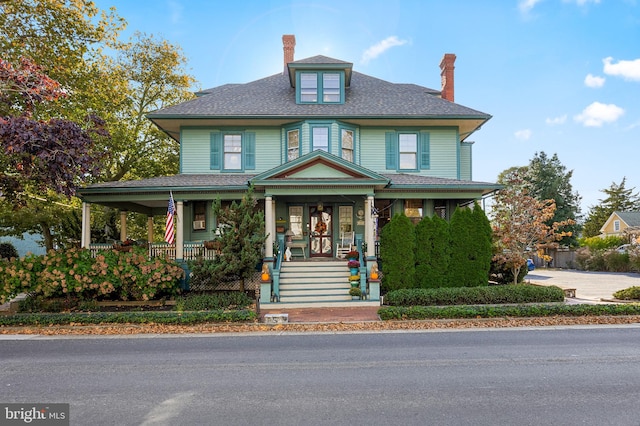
(321, 241)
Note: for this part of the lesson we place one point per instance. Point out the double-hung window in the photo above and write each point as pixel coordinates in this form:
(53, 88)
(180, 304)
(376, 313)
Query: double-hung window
(309, 87)
(320, 138)
(233, 151)
(293, 144)
(407, 151)
(324, 87)
(330, 87)
(346, 144)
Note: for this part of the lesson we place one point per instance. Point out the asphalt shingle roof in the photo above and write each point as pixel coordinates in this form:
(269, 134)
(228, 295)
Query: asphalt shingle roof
(630, 218)
(274, 97)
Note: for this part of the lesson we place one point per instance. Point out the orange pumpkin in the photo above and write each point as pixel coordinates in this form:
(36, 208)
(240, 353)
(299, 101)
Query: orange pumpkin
(265, 276)
(374, 275)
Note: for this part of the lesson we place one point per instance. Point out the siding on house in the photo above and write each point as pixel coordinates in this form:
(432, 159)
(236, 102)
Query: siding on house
(465, 161)
(195, 149)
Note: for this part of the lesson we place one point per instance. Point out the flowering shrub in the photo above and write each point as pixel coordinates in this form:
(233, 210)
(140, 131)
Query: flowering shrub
(111, 275)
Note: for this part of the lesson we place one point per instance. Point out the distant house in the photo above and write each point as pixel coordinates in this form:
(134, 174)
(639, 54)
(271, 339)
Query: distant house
(329, 152)
(623, 223)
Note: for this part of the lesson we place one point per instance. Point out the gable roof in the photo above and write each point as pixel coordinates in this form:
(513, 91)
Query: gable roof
(300, 171)
(631, 219)
(273, 100)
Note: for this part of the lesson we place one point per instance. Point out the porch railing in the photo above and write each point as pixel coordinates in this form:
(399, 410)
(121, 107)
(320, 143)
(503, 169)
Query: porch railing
(192, 250)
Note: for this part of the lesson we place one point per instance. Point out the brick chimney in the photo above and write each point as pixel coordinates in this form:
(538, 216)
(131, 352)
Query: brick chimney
(289, 47)
(446, 74)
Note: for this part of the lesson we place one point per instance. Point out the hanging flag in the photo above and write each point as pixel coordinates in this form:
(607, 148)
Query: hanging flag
(170, 232)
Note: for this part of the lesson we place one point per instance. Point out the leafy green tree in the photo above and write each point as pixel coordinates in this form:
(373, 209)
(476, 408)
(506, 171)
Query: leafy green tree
(619, 198)
(548, 179)
(433, 245)
(397, 252)
(242, 238)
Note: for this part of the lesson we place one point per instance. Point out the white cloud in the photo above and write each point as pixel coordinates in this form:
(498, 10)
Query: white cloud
(526, 6)
(629, 70)
(597, 114)
(523, 135)
(381, 47)
(556, 120)
(594, 81)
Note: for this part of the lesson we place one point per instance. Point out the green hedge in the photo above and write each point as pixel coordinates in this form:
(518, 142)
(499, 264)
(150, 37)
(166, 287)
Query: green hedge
(520, 293)
(522, 311)
(178, 318)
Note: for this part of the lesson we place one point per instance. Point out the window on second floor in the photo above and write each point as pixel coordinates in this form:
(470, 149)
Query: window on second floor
(233, 151)
(616, 226)
(293, 144)
(320, 138)
(346, 144)
(407, 151)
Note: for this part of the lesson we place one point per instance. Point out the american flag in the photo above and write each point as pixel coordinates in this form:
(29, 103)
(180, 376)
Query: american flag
(170, 232)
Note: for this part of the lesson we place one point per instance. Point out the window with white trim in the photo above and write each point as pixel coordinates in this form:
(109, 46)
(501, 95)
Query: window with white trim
(320, 138)
(346, 143)
(293, 144)
(616, 226)
(408, 151)
(232, 152)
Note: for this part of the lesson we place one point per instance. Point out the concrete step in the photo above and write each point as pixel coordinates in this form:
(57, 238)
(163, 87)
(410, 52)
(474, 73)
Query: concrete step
(319, 304)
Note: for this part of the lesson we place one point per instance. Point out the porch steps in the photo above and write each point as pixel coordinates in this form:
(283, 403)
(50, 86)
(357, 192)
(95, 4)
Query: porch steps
(323, 282)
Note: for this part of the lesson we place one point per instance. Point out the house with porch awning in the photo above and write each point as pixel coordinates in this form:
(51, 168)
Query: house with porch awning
(328, 151)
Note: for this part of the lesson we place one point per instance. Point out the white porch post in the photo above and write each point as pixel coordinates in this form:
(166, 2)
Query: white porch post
(149, 229)
(369, 232)
(123, 225)
(86, 225)
(268, 225)
(179, 230)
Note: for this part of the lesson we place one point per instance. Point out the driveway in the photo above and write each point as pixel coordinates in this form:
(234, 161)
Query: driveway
(591, 287)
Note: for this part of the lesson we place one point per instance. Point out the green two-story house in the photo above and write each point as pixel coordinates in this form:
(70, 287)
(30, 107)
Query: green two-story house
(329, 151)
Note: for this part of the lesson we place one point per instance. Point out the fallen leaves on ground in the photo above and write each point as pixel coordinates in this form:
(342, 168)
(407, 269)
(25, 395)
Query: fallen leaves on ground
(329, 327)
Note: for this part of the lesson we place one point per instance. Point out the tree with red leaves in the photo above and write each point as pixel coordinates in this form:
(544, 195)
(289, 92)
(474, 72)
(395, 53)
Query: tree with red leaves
(38, 155)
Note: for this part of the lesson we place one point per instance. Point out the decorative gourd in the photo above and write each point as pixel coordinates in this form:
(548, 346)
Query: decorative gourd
(265, 273)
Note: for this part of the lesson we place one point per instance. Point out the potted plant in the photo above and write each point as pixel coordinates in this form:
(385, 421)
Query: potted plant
(353, 265)
(353, 254)
(354, 280)
(126, 245)
(355, 293)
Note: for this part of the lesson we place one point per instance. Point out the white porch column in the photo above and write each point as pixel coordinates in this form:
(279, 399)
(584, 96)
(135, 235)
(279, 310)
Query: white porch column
(123, 225)
(268, 225)
(179, 230)
(369, 232)
(149, 229)
(86, 225)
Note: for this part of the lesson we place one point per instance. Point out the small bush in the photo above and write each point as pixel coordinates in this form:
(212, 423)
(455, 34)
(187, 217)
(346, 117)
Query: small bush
(520, 293)
(8, 251)
(597, 243)
(213, 301)
(520, 311)
(631, 293)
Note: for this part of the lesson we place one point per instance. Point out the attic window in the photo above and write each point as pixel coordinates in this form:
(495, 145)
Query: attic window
(320, 87)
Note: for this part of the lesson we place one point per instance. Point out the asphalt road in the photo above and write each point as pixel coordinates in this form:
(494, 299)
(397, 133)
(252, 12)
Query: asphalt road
(568, 376)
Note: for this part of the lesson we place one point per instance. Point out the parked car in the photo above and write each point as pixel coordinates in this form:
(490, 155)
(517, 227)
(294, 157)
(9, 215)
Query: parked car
(530, 265)
(624, 248)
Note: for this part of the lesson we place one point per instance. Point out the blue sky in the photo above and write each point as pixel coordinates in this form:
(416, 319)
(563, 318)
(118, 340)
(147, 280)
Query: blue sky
(559, 76)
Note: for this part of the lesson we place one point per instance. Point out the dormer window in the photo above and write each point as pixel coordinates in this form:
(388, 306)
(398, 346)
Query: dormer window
(326, 87)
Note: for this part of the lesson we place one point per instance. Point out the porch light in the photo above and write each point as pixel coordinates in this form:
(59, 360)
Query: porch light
(320, 206)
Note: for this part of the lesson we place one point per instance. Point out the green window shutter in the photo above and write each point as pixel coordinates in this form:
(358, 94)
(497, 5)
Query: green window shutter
(425, 155)
(391, 148)
(250, 151)
(216, 151)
